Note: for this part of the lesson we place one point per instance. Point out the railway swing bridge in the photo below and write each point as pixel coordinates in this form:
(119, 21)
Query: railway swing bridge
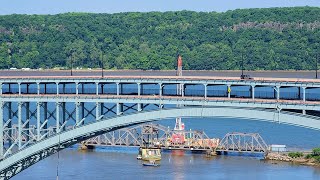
(43, 115)
(155, 135)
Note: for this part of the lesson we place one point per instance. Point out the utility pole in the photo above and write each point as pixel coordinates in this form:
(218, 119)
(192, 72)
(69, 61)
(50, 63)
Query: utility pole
(101, 64)
(71, 63)
(241, 64)
(317, 55)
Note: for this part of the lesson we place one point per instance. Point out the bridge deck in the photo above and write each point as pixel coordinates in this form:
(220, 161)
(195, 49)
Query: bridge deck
(157, 97)
(164, 78)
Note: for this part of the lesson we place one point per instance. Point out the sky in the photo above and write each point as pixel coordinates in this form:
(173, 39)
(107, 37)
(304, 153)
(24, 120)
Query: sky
(115, 6)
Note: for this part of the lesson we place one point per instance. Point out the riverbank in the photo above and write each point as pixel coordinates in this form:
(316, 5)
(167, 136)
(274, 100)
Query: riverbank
(284, 157)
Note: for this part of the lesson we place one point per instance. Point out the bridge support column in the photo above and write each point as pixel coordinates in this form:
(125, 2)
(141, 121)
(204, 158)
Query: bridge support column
(97, 88)
(38, 121)
(57, 84)
(304, 98)
(118, 89)
(205, 90)
(139, 89)
(160, 89)
(77, 88)
(252, 91)
(179, 89)
(45, 115)
(1, 129)
(19, 87)
(279, 114)
(229, 90)
(63, 115)
(182, 87)
(57, 117)
(44, 123)
(27, 104)
(10, 120)
(119, 108)
(139, 107)
(82, 111)
(101, 109)
(277, 89)
(19, 125)
(97, 110)
(77, 112)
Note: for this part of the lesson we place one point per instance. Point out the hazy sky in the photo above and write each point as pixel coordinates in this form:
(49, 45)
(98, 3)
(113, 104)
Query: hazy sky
(113, 6)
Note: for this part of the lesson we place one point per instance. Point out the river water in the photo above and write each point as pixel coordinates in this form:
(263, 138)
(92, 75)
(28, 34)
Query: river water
(112, 163)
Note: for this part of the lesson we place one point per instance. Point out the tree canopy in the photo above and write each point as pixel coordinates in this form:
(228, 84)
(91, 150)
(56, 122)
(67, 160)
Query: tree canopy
(267, 39)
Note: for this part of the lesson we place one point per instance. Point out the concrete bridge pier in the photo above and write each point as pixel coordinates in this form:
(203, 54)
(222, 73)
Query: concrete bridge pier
(86, 147)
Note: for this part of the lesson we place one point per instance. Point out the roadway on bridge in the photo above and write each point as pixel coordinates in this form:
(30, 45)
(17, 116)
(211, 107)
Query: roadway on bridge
(156, 97)
(234, 73)
(255, 79)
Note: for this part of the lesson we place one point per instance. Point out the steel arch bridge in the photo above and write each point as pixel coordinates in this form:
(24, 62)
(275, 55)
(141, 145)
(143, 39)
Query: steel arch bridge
(36, 111)
(32, 154)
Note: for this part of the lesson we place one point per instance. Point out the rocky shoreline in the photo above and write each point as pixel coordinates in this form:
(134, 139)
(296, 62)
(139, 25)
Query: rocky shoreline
(285, 158)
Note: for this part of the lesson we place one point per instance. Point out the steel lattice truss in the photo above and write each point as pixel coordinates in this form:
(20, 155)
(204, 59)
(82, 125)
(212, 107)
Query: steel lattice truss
(154, 135)
(30, 122)
(26, 123)
(243, 142)
(43, 153)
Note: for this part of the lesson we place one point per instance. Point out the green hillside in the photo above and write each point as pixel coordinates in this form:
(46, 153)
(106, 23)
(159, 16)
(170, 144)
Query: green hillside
(269, 39)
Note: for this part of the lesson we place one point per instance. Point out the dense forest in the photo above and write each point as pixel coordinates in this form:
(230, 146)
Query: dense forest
(264, 39)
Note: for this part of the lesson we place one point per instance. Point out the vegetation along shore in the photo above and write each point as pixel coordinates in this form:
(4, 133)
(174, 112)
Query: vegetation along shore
(311, 159)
